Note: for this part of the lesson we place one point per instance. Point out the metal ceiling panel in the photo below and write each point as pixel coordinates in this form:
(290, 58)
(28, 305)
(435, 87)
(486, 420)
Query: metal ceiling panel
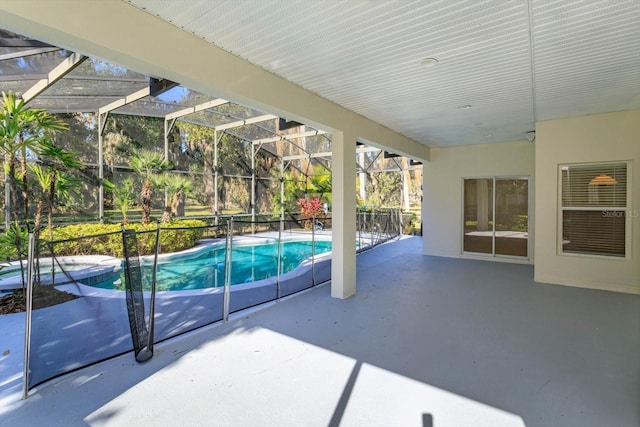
(587, 57)
(581, 57)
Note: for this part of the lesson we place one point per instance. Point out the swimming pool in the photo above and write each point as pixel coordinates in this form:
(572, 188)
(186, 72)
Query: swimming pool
(87, 269)
(204, 268)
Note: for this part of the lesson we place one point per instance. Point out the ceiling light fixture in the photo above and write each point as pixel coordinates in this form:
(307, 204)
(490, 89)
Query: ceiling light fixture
(464, 107)
(428, 62)
(603, 179)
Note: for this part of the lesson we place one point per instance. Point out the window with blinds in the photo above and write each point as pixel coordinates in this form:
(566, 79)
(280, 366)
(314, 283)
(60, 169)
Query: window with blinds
(594, 209)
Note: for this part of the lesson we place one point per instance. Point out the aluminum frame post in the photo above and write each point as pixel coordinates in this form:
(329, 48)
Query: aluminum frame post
(168, 125)
(279, 259)
(152, 302)
(28, 312)
(282, 190)
(228, 271)
(7, 202)
(101, 125)
(373, 224)
(253, 190)
(215, 173)
(359, 229)
(313, 253)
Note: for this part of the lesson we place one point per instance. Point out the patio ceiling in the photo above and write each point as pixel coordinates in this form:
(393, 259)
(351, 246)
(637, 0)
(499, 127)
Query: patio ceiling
(502, 65)
(62, 81)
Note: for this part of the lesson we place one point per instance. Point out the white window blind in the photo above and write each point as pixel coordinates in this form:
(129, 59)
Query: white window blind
(594, 209)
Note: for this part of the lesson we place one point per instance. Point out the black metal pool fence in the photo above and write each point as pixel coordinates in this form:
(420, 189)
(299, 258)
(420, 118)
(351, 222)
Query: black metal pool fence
(140, 308)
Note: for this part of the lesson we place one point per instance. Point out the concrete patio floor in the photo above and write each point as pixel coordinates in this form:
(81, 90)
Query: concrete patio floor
(426, 341)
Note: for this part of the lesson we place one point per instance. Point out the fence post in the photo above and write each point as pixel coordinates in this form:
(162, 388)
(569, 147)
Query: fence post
(228, 271)
(279, 258)
(152, 302)
(313, 253)
(373, 222)
(28, 311)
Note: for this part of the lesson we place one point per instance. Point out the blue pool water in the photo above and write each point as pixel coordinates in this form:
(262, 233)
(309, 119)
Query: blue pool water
(206, 269)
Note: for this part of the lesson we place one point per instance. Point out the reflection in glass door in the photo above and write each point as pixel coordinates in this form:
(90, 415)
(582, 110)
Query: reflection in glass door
(512, 216)
(496, 216)
(478, 215)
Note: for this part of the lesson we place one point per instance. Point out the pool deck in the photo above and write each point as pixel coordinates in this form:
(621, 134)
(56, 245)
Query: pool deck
(426, 341)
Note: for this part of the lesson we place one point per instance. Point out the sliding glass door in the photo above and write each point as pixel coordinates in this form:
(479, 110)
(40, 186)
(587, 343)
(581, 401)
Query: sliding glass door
(478, 215)
(496, 216)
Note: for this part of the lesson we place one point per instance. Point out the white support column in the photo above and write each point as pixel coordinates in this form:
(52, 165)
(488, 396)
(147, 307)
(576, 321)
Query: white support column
(215, 173)
(343, 268)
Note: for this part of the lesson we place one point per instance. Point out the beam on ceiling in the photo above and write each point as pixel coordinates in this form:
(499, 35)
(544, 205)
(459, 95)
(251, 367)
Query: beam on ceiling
(328, 153)
(290, 136)
(124, 101)
(305, 156)
(29, 52)
(252, 120)
(62, 69)
(21, 42)
(195, 109)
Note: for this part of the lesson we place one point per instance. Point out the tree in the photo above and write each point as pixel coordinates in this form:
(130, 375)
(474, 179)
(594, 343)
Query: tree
(23, 130)
(56, 185)
(199, 143)
(147, 163)
(13, 245)
(62, 185)
(176, 186)
(123, 196)
(293, 191)
(383, 189)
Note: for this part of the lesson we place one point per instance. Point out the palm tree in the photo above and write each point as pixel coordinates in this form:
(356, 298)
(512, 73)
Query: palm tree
(13, 245)
(123, 197)
(146, 164)
(56, 186)
(62, 185)
(23, 130)
(176, 186)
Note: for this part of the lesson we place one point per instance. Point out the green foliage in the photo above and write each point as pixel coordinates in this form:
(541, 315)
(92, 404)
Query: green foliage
(293, 191)
(94, 239)
(147, 163)
(320, 183)
(14, 243)
(383, 189)
(21, 125)
(25, 131)
(177, 187)
(197, 148)
(123, 196)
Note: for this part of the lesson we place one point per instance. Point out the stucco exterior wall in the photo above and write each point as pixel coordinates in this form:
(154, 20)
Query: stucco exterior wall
(586, 139)
(442, 215)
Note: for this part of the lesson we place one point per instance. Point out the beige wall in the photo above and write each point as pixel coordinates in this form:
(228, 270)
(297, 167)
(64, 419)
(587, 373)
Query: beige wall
(597, 138)
(442, 187)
